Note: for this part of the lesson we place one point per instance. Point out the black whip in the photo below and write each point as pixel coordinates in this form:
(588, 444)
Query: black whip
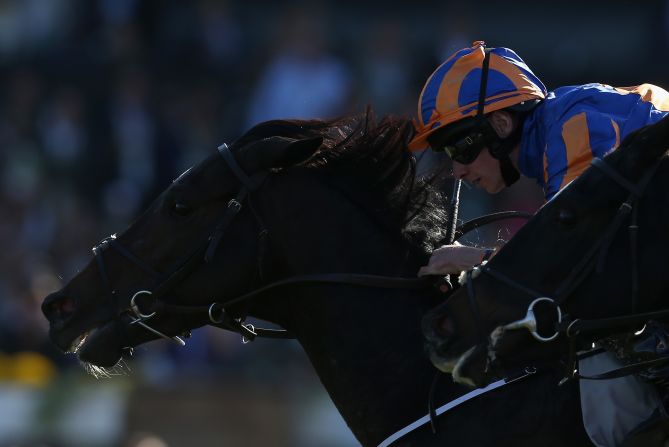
(453, 209)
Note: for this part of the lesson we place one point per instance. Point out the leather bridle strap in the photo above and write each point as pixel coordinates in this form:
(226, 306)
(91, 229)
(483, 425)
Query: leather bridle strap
(251, 183)
(583, 268)
(112, 242)
(636, 190)
(596, 328)
(508, 281)
(233, 208)
(351, 279)
(215, 314)
(205, 252)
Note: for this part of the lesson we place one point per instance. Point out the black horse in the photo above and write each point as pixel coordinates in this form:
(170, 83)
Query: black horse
(597, 251)
(305, 198)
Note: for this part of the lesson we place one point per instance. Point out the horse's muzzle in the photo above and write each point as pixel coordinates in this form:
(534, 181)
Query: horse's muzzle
(58, 308)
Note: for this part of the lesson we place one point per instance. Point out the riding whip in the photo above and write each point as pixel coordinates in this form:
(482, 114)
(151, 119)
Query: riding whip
(453, 209)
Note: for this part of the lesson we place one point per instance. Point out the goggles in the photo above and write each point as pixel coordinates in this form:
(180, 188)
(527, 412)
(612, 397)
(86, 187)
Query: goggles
(465, 150)
(464, 141)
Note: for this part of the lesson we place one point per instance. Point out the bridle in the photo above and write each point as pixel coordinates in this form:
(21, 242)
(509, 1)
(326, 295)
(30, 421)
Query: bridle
(216, 314)
(142, 309)
(203, 254)
(585, 330)
(146, 304)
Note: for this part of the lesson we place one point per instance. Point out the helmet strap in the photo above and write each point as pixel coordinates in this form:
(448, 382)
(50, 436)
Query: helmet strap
(510, 174)
(483, 86)
(500, 147)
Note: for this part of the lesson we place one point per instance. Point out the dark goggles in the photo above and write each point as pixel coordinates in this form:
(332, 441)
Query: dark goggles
(464, 150)
(464, 141)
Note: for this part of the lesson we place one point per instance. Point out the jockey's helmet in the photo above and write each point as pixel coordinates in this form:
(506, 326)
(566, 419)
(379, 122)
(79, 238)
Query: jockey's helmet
(467, 86)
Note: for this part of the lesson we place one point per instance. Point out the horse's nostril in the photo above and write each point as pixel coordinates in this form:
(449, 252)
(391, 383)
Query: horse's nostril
(58, 306)
(444, 327)
(443, 332)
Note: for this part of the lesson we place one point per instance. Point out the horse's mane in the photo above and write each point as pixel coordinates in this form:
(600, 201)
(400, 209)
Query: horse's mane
(370, 161)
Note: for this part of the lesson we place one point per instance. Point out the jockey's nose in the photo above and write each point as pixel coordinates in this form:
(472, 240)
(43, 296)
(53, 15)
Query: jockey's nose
(459, 170)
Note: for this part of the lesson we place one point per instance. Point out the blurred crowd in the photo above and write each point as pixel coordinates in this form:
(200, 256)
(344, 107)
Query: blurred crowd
(104, 102)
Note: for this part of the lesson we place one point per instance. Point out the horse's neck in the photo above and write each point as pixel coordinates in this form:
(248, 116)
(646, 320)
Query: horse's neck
(365, 343)
(366, 347)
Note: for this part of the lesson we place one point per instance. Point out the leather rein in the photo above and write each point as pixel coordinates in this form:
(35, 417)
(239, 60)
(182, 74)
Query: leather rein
(145, 304)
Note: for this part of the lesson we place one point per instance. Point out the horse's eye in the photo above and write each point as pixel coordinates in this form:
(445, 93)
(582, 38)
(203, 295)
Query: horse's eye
(181, 209)
(565, 217)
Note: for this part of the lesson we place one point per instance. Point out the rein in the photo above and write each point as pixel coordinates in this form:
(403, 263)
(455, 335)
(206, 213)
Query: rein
(577, 328)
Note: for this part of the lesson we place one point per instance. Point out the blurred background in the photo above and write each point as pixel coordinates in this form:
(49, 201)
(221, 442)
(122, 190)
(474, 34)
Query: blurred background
(104, 102)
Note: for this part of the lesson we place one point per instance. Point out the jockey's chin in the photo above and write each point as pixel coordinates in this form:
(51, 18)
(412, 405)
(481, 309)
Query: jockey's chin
(494, 184)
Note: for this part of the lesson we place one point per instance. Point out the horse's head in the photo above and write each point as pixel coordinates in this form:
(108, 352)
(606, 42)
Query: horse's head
(174, 250)
(578, 252)
(288, 198)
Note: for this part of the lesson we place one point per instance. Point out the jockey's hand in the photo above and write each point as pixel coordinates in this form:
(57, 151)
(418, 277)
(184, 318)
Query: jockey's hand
(451, 259)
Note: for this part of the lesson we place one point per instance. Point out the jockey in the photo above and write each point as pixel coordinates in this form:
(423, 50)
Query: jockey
(495, 119)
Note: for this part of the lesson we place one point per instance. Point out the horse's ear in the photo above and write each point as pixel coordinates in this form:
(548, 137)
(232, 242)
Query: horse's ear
(642, 148)
(296, 151)
(276, 152)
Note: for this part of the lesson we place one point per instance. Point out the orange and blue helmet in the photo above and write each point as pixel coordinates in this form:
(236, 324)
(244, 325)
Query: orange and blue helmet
(453, 91)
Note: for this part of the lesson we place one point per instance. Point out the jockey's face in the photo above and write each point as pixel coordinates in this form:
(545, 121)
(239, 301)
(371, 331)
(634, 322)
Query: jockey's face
(484, 172)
